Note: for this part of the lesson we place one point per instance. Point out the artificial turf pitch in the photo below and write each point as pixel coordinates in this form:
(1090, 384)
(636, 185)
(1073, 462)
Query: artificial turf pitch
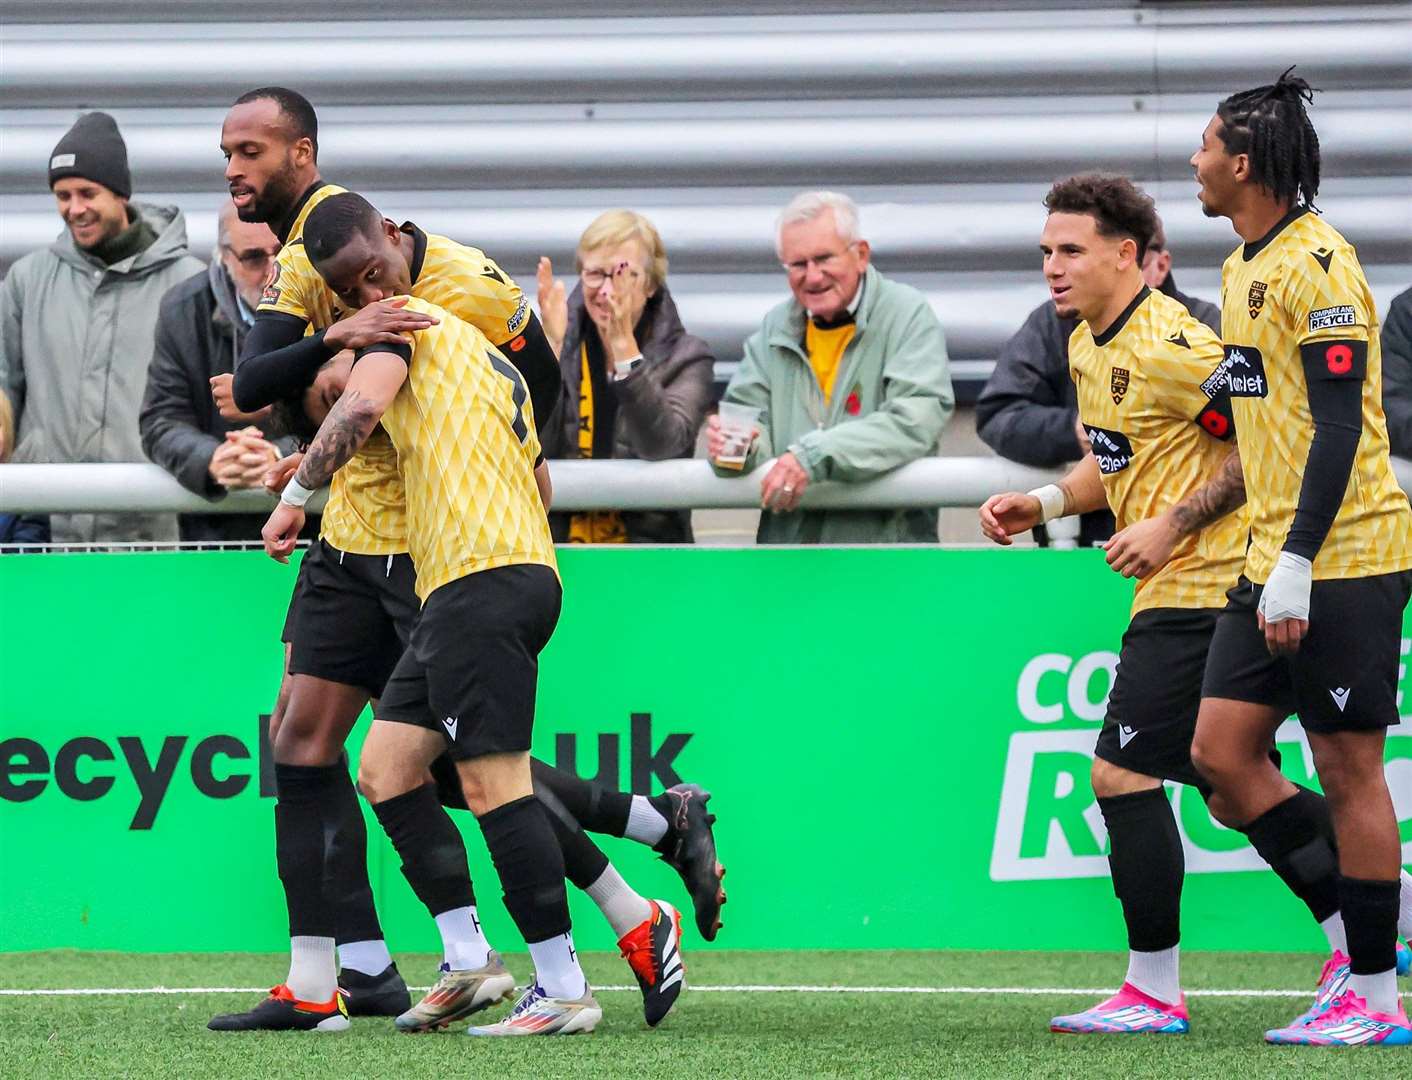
(728, 1032)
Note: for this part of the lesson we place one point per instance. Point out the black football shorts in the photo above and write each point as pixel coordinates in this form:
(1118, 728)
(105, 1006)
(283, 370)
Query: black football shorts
(1344, 676)
(1157, 694)
(350, 616)
(471, 668)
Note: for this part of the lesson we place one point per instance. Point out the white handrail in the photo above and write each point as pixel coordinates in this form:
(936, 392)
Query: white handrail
(578, 485)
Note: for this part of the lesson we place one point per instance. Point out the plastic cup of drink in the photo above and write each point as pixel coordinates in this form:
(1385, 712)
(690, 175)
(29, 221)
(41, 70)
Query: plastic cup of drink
(738, 427)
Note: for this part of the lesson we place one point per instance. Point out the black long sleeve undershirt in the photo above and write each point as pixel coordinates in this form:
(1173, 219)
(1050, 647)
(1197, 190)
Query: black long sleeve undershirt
(535, 360)
(1336, 404)
(277, 361)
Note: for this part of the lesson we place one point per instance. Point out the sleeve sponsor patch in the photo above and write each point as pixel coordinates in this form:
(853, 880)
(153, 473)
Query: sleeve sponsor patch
(1112, 449)
(1324, 318)
(270, 295)
(1326, 360)
(521, 316)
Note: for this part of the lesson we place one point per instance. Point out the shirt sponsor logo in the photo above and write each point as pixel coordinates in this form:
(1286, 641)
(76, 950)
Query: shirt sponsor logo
(1242, 372)
(62, 161)
(521, 316)
(1112, 449)
(1118, 384)
(1255, 298)
(1342, 315)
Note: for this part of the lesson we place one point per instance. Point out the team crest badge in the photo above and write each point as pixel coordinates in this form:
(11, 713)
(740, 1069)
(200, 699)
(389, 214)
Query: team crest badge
(1118, 384)
(1255, 299)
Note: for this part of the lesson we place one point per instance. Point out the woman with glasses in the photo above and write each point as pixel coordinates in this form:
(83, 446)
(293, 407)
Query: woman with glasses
(636, 384)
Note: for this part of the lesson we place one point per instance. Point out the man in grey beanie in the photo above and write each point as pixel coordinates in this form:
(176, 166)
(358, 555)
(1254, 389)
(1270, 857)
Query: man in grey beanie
(77, 321)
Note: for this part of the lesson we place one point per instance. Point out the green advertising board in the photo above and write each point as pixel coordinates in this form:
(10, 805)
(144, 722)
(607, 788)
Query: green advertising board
(898, 744)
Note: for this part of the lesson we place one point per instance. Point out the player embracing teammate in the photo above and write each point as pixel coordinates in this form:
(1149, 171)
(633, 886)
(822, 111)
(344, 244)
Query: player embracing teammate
(1312, 624)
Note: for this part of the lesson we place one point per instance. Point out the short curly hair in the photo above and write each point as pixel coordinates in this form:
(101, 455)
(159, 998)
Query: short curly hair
(1119, 206)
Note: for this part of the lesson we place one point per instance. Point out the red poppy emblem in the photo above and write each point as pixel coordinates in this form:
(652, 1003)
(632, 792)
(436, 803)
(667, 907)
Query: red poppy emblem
(853, 406)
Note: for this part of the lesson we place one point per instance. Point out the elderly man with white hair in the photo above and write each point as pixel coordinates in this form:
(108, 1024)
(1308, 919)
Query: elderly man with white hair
(850, 378)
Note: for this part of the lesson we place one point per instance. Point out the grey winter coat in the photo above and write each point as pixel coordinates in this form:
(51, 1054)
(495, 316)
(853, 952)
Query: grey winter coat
(199, 330)
(75, 342)
(660, 406)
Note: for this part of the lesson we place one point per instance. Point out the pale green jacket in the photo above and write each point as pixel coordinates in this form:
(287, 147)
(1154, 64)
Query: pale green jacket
(894, 373)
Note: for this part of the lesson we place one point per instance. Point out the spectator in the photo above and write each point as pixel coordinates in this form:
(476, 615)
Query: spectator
(636, 384)
(851, 379)
(1397, 373)
(17, 528)
(199, 330)
(1028, 412)
(77, 322)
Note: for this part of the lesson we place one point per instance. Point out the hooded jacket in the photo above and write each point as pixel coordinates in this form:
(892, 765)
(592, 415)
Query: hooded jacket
(892, 397)
(659, 407)
(75, 341)
(200, 327)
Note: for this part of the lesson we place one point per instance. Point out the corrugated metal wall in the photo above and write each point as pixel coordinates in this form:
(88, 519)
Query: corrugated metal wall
(947, 127)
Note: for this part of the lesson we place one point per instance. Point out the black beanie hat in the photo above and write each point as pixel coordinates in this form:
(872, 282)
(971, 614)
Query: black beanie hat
(94, 150)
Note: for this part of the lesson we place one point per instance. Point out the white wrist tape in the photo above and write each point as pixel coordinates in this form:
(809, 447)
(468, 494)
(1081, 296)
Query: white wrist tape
(1051, 501)
(295, 493)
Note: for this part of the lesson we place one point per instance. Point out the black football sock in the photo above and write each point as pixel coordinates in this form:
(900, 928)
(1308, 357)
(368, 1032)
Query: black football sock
(596, 808)
(1370, 920)
(1148, 867)
(432, 852)
(584, 861)
(1296, 837)
(346, 871)
(303, 792)
(531, 867)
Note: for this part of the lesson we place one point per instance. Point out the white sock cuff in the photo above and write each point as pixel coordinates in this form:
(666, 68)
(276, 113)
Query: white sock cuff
(645, 824)
(620, 903)
(1157, 974)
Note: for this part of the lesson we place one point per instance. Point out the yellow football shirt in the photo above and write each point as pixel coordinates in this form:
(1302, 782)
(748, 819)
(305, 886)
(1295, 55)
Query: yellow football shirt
(366, 511)
(1145, 396)
(1301, 285)
(464, 431)
(826, 348)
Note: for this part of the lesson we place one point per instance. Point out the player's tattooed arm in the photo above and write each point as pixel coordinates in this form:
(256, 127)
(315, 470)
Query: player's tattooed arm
(1209, 503)
(376, 378)
(343, 432)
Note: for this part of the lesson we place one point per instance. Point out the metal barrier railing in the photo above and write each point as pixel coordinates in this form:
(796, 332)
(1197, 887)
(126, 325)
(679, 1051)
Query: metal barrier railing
(578, 485)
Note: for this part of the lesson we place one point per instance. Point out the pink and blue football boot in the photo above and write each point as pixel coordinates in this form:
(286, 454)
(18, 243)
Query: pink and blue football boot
(1128, 1012)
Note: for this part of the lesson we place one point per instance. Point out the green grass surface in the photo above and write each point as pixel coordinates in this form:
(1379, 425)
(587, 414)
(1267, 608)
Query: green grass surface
(710, 1034)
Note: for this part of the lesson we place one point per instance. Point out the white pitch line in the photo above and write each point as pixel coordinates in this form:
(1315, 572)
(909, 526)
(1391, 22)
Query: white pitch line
(1023, 991)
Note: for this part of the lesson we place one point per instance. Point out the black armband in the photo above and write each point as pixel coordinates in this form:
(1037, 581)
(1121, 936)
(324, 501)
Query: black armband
(532, 356)
(277, 361)
(1334, 371)
(1217, 419)
(402, 350)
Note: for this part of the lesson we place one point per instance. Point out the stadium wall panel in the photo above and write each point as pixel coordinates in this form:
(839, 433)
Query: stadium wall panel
(897, 741)
(947, 125)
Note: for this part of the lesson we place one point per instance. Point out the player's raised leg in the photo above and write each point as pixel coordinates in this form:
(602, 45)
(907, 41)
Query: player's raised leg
(649, 931)
(676, 824)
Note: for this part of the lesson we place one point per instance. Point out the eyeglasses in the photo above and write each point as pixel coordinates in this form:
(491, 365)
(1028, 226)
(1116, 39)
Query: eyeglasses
(823, 262)
(252, 258)
(594, 278)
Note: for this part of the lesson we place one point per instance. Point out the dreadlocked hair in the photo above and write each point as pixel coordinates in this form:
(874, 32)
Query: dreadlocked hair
(1271, 126)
